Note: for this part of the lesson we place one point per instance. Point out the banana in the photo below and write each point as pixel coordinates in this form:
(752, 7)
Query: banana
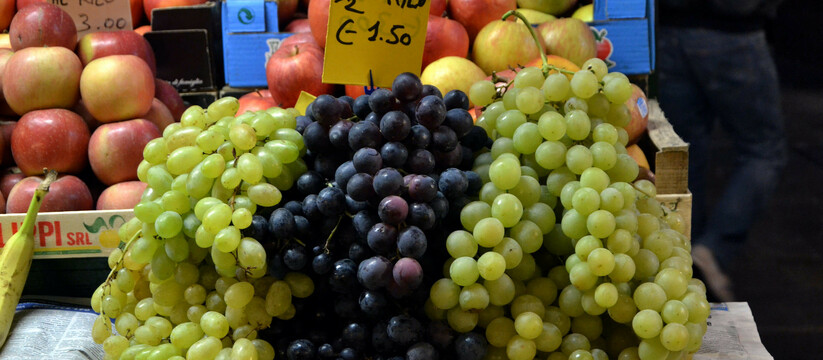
(15, 260)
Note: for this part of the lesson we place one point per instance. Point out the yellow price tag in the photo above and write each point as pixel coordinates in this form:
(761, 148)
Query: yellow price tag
(374, 40)
(303, 102)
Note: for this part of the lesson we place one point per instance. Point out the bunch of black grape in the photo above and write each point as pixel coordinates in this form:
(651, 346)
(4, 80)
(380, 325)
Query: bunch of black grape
(388, 176)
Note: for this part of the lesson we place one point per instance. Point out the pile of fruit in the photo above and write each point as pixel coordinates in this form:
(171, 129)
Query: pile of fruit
(391, 226)
(84, 107)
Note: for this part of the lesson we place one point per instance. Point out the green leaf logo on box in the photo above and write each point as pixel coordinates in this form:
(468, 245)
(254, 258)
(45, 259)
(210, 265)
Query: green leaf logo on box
(245, 16)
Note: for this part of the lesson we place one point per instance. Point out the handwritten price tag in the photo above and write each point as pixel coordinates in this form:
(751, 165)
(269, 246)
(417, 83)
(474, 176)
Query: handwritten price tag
(379, 37)
(97, 15)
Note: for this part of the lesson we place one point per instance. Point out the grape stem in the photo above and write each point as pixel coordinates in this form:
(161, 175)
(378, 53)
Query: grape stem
(546, 67)
(113, 273)
(328, 240)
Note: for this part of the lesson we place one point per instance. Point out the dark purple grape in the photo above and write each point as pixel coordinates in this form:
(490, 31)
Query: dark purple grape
(346, 307)
(326, 110)
(358, 252)
(412, 242)
(322, 263)
(467, 158)
(460, 121)
(380, 340)
(326, 351)
(354, 206)
(361, 106)
(316, 138)
(456, 99)
(394, 154)
(395, 125)
(355, 335)
(407, 87)
(441, 335)
(331, 201)
(444, 139)
(431, 90)
(301, 123)
(419, 137)
(295, 257)
(393, 210)
(360, 188)
(408, 272)
(372, 303)
(421, 215)
(276, 266)
(367, 160)
(346, 103)
(422, 188)
(365, 134)
(422, 351)
(387, 182)
(476, 139)
(453, 183)
(349, 354)
(382, 101)
(475, 183)
(404, 330)
(311, 182)
(374, 118)
(339, 134)
(343, 277)
(343, 173)
(281, 224)
(363, 222)
(301, 349)
(294, 206)
(470, 346)
(448, 159)
(420, 161)
(310, 209)
(440, 205)
(302, 227)
(374, 272)
(431, 111)
(382, 238)
(259, 228)
(326, 164)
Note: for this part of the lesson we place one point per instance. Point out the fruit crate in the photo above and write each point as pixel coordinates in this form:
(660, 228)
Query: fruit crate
(671, 164)
(624, 32)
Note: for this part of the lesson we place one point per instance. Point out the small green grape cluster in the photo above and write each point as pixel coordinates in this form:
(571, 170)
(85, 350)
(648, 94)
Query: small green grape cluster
(187, 283)
(564, 254)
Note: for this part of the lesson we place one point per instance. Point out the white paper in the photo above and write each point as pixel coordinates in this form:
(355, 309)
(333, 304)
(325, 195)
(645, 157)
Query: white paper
(49, 332)
(732, 334)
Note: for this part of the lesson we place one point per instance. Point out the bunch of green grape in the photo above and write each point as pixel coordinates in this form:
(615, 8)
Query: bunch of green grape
(189, 282)
(564, 255)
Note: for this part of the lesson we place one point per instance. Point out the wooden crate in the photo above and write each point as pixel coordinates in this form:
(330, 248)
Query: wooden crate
(671, 165)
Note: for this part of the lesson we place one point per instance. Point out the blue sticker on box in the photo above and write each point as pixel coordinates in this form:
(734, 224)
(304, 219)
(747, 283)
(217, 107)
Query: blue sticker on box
(246, 16)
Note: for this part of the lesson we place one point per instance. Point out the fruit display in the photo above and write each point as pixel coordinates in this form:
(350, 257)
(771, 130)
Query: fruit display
(84, 107)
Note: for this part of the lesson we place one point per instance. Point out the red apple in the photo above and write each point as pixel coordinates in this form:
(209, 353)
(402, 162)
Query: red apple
(142, 30)
(136, 12)
(298, 38)
(42, 24)
(80, 109)
(254, 101)
(638, 106)
(6, 13)
(159, 115)
(569, 38)
(5, 55)
(6, 129)
(117, 87)
(319, 20)
(123, 42)
(116, 149)
(149, 5)
(166, 93)
(23, 3)
(438, 7)
(444, 37)
(295, 68)
(42, 78)
(54, 138)
(10, 177)
(475, 14)
(124, 195)
(285, 10)
(67, 193)
(298, 26)
(503, 44)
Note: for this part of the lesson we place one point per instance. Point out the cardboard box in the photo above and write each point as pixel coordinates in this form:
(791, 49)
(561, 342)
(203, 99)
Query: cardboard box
(250, 36)
(626, 27)
(202, 98)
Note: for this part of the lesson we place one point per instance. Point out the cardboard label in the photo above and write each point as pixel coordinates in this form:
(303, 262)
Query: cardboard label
(70, 234)
(377, 38)
(97, 15)
(303, 102)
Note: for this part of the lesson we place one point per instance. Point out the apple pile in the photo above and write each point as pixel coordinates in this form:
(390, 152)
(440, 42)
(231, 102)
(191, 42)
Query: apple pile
(85, 107)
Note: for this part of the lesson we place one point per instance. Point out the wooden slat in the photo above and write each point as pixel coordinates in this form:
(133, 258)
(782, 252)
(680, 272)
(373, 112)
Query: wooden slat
(672, 157)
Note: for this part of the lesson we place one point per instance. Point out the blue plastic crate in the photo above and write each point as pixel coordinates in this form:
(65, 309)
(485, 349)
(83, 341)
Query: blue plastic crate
(630, 34)
(620, 9)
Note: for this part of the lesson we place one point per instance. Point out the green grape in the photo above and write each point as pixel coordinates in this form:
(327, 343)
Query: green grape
(551, 154)
(528, 325)
(606, 133)
(159, 178)
(499, 331)
(619, 115)
(575, 103)
(598, 106)
(216, 218)
(584, 200)
(263, 124)
(582, 277)
(624, 268)
(283, 118)
(569, 301)
(285, 151)
(625, 170)
(264, 350)
(647, 324)
(489, 192)
(529, 100)
(205, 348)
(556, 87)
(491, 265)
(527, 303)
(527, 190)
(520, 348)
(197, 184)
(660, 244)
(501, 291)
(675, 311)
(278, 298)
(509, 121)
(586, 245)
(214, 324)
(185, 136)
(542, 288)
(611, 200)
(542, 215)
(143, 310)
(617, 90)
(238, 294)
(209, 140)
(581, 355)
(601, 262)
(493, 111)
(488, 232)
(555, 316)
(508, 209)
(213, 166)
(584, 84)
(588, 325)
(176, 201)
(460, 320)
(511, 251)
(482, 92)
(148, 211)
(510, 98)
(558, 178)
(445, 294)
(525, 270)
(227, 239)
(594, 178)
(115, 345)
(176, 248)
(241, 218)
(243, 349)
(168, 224)
(183, 159)
(551, 126)
(225, 106)
(272, 167)
(289, 134)
(596, 66)
(573, 224)
(488, 314)
(527, 138)
(673, 282)
(549, 339)
(603, 155)
(502, 146)
(578, 124)
(528, 235)
(230, 178)
(461, 243)
(600, 223)
(142, 170)
(156, 151)
(250, 168)
(696, 332)
(144, 248)
(195, 294)
(148, 335)
(529, 76)
(505, 172)
(649, 296)
(464, 271)
(474, 297)
(606, 295)
(579, 158)
(473, 213)
(573, 342)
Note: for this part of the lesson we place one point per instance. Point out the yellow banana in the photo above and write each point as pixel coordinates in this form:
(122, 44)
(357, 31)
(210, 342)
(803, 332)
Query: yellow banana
(15, 261)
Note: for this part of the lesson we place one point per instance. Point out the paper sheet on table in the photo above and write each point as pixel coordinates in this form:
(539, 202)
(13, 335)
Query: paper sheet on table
(732, 334)
(51, 331)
